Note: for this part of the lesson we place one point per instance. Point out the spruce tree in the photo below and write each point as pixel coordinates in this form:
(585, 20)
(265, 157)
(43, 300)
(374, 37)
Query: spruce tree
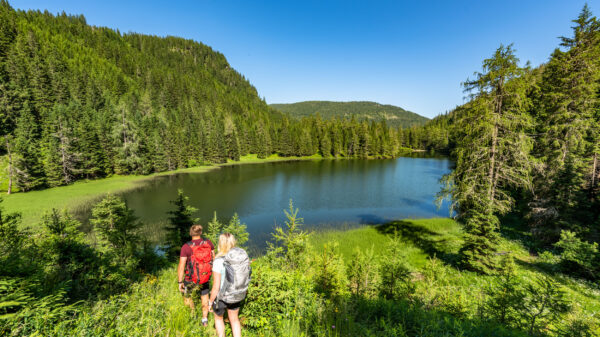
(492, 156)
(213, 229)
(238, 229)
(115, 227)
(180, 221)
(232, 143)
(28, 168)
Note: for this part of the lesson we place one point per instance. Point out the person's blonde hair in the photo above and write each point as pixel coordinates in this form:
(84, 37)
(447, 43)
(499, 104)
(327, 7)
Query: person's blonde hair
(226, 242)
(196, 230)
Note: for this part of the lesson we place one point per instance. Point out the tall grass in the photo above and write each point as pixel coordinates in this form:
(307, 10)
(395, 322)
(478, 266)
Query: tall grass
(441, 238)
(445, 302)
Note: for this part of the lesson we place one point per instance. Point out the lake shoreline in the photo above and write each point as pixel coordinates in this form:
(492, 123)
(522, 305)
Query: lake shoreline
(72, 197)
(33, 204)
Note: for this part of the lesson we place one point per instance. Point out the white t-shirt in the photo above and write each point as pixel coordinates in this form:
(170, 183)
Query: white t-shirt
(218, 267)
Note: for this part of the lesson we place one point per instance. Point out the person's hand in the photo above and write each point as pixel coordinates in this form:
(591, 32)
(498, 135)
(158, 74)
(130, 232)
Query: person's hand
(181, 287)
(210, 306)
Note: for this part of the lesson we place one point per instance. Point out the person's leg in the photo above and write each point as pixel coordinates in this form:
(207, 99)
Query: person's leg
(219, 325)
(204, 298)
(234, 320)
(188, 295)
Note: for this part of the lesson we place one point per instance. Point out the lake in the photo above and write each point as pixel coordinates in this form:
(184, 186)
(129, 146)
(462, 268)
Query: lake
(329, 193)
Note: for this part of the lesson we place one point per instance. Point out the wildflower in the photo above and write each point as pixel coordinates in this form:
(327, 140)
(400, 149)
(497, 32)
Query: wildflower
(333, 326)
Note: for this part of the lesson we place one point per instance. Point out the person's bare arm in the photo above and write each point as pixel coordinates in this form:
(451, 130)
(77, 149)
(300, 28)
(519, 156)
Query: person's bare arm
(181, 272)
(215, 289)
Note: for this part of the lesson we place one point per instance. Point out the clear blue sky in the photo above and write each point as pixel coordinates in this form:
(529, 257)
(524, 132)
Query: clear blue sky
(413, 54)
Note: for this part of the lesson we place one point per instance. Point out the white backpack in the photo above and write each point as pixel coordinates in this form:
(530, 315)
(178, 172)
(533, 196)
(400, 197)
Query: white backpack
(237, 276)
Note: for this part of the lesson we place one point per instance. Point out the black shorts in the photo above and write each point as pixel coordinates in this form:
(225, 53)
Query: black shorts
(191, 287)
(220, 311)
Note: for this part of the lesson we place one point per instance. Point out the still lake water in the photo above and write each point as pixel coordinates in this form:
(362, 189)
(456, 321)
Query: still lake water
(332, 193)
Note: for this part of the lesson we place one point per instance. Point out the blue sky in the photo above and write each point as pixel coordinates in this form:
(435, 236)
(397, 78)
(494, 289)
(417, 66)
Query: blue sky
(413, 54)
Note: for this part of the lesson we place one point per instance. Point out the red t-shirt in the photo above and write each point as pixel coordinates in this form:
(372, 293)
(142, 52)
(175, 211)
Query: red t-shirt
(186, 250)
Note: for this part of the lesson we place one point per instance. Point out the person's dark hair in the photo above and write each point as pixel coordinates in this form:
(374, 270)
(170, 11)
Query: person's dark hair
(196, 230)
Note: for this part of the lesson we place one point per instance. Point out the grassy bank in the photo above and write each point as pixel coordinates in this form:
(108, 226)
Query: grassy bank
(427, 241)
(445, 302)
(33, 204)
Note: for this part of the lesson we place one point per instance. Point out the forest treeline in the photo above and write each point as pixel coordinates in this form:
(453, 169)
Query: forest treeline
(527, 143)
(83, 102)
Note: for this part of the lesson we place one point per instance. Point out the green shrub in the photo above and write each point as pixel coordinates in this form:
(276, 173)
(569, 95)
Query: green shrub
(505, 295)
(68, 261)
(581, 325)
(180, 221)
(395, 272)
(276, 295)
(363, 273)
(238, 229)
(329, 272)
(213, 229)
(543, 304)
(578, 257)
(549, 261)
(116, 227)
(292, 242)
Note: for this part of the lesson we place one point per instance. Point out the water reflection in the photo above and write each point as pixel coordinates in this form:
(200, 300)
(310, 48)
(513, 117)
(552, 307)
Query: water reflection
(332, 192)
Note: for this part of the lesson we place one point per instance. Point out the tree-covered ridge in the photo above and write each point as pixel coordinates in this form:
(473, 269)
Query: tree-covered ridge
(393, 115)
(81, 102)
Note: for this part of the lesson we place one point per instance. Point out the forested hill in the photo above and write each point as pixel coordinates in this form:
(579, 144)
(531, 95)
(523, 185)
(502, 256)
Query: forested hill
(81, 102)
(393, 115)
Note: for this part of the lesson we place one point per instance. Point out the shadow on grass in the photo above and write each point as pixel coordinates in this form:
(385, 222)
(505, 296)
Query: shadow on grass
(380, 317)
(513, 227)
(432, 243)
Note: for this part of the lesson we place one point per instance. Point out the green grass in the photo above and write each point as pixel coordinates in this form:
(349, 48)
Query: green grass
(376, 237)
(153, 307)
(3, 173)
(441, 238)
(33, 204)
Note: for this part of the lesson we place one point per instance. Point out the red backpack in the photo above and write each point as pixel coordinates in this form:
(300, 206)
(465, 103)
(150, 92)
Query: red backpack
(199, 265)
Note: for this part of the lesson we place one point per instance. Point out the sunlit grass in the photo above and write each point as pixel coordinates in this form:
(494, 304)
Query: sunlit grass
(442, 237)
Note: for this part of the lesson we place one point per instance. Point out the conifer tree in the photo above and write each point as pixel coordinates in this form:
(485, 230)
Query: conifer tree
(492, 156)
(568, 126)
(28, 168)
(238, 229)
(231, 139)
(180, 221)
(213, 229)
(115, 226)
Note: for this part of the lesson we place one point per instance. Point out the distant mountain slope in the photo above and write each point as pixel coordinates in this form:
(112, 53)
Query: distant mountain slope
(395, 116)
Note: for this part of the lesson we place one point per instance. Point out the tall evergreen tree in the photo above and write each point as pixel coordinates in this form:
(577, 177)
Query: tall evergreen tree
(492, 155)
(568, 146)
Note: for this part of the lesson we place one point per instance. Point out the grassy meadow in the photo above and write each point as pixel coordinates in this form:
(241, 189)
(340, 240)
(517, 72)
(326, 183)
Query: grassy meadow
(445, 302)
(437, 240)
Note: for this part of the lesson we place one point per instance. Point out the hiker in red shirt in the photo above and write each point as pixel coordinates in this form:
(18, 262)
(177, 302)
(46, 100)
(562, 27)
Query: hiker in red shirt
(195, 266)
